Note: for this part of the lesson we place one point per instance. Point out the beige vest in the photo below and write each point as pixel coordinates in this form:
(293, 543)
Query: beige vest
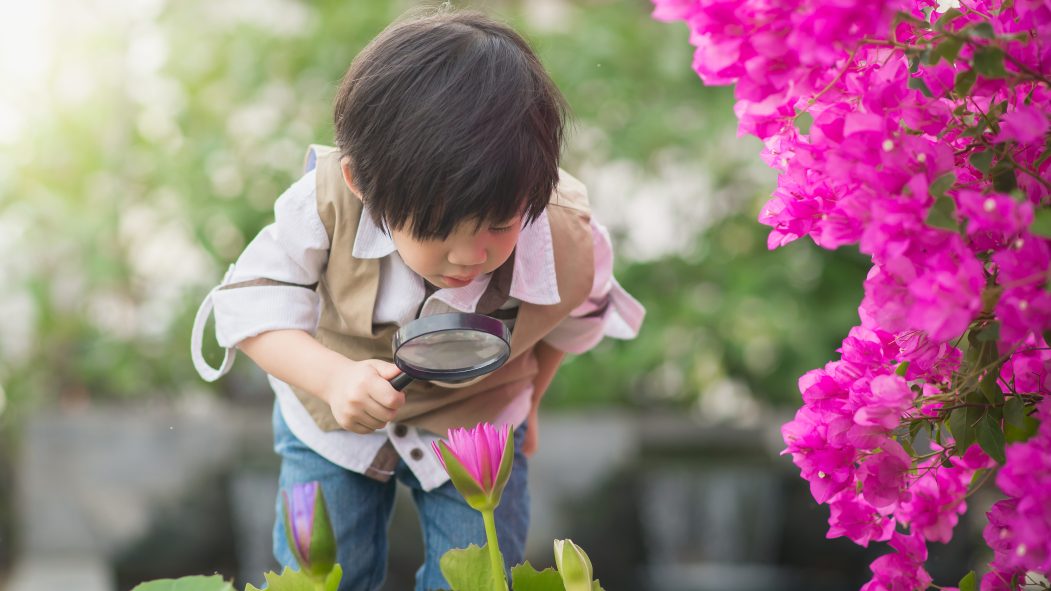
(349, 285)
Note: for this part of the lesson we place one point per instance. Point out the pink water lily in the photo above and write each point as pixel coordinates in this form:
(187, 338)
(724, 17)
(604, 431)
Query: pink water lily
(479, 464)
(478, 461)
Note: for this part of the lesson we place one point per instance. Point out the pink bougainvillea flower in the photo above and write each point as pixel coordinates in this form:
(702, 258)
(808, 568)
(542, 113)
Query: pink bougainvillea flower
(993, 220)
(936, 501)
(856, 519)
(308, 529)
(902, 570)
(884, 475)
(889, 397)
(479, 462)
(875, 150)
(1025, 125)
(1025, 516)
(827, 465)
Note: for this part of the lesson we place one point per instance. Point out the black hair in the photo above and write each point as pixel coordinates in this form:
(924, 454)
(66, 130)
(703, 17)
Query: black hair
(450, 117)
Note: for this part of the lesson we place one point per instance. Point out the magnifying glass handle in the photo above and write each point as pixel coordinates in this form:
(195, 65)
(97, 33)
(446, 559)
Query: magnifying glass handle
(399, 382)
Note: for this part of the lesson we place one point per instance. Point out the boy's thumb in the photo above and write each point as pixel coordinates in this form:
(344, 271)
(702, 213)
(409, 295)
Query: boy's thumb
(385, 369)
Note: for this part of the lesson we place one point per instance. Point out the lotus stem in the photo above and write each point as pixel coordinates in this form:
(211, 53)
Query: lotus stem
(495, 560)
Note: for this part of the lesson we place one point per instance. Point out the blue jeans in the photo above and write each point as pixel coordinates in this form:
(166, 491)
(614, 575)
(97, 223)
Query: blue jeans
(360, 510)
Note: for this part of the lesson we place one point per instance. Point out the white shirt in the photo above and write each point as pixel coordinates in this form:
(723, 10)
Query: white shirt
(294, 249)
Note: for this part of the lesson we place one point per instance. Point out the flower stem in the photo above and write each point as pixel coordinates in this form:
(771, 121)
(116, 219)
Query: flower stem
(496, 562)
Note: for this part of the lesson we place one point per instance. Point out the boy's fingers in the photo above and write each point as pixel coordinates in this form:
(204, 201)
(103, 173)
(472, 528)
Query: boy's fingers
(369, 421)
(386, 370)
(388, 397)
(359, 428)
(380, 413)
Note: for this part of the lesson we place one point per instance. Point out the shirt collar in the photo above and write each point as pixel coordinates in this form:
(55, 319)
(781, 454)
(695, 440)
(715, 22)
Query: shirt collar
(533, 279)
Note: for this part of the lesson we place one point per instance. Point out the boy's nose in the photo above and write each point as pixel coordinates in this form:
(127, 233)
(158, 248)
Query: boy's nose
(468, 256)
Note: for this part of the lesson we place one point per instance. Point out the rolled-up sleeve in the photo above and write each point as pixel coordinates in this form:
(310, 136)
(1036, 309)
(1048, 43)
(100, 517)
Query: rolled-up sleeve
(609, 310)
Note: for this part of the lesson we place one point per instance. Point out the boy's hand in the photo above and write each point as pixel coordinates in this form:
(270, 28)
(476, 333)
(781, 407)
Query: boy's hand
(360, 395)
(532, 435)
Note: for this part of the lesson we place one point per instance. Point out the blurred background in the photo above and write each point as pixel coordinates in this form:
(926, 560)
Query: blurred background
(142, 144)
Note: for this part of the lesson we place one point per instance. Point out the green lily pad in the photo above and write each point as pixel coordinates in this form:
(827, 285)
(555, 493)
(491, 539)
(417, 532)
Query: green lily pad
(467, 569)
(526, 578)
(192, 583)
(294, 580)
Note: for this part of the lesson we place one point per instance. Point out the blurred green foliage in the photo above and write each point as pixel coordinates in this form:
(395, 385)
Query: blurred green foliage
(161, 134)
(730, 312)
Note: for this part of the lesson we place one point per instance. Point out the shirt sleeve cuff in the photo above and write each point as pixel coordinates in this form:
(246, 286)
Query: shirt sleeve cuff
(621, 319)
(245, 312)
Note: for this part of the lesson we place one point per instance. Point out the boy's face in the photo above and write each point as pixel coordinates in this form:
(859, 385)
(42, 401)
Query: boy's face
(468, 252)
(471, 250)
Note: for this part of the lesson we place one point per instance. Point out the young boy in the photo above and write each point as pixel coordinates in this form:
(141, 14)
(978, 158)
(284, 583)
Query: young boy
(443, 195)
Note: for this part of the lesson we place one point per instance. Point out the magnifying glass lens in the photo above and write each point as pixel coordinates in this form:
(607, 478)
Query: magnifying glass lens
(452, 350)
(451, 347)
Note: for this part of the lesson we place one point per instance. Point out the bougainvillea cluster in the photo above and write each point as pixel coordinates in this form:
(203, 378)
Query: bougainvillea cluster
(917, 131)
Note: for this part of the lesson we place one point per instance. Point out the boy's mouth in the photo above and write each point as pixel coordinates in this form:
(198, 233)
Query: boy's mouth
(453, 281)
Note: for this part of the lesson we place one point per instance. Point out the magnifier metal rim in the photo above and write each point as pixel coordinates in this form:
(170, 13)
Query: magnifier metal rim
(445, 322)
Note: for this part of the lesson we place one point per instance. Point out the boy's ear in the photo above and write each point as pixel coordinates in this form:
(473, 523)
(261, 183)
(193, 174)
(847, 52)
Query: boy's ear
(348, 177)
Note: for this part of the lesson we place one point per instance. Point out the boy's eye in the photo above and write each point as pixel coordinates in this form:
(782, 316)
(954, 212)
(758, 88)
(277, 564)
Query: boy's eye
(499, 229)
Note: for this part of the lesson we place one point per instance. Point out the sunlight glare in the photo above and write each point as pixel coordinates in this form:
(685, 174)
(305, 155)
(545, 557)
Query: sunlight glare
(25, 55)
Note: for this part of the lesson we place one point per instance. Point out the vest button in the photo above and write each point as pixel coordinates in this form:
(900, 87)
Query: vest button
(401, 430)
(416, 454)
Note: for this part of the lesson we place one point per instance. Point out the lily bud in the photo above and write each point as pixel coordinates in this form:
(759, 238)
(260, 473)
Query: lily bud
(479, 463)
(308, 529)
(573, 565)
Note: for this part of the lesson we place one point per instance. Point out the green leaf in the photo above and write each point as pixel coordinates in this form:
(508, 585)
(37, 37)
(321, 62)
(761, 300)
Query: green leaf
(989, 387)
(991, 438)
(1004, 179)
(991, 332)
(977, 478)
(1014, 412)
(949, 16)
(967, 582)
(920, 85)
(948, 50)
(906, 444)
(943, 184)
(192, 583)
(914, 428)
(982, 352)
(804, 122)
(943, 214)
(914, 62)
(963, 423)
(902, 369)
(467, 569)
(1015, 434)
(989, 62)
(984, 30)
(294, 580)
(1042, 223)
(526, 578)
(964, 82)
(982, 160)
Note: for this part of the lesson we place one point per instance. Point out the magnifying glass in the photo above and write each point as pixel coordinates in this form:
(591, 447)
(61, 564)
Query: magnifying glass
(450, 348)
